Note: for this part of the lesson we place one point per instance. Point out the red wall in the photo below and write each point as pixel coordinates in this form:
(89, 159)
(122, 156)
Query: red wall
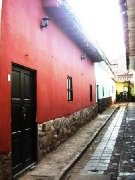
(48, 51)
(0, 81)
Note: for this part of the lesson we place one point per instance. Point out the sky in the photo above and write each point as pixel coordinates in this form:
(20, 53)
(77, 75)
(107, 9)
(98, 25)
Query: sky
(102, 22)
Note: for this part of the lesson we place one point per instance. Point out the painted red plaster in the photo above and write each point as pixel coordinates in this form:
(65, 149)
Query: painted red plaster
(48, 51)
(50, 3)
(0, 80)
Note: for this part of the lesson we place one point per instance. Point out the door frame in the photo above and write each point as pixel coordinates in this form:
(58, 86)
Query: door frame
(34, 75)
(97, 95)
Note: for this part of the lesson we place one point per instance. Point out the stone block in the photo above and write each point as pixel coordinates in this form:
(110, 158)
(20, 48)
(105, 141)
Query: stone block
(5, 166)
(54, 132)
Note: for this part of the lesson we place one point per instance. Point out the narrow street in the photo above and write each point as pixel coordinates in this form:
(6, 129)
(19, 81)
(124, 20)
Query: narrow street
(102, 149)
(67, 90)
(112, 153)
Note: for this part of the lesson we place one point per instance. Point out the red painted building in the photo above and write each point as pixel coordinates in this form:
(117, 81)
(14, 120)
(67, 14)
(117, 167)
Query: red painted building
(35, 65)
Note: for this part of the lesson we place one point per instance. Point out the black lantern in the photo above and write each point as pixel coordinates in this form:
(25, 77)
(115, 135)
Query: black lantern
(44, 22)
(83, 56)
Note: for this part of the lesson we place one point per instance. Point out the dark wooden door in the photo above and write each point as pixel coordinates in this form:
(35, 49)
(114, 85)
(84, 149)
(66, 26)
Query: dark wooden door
(23, 119)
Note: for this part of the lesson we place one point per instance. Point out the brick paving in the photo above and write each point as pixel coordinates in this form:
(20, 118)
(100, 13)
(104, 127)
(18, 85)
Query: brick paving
(56, 163)
(97, 161)
(100, 159)
(121, 164)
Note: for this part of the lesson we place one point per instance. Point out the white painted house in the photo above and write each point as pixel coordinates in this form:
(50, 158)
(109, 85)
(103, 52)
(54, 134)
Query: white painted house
(105, 83)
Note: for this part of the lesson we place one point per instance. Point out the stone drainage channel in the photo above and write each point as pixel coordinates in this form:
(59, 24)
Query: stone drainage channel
(104, 161)
(100, 159)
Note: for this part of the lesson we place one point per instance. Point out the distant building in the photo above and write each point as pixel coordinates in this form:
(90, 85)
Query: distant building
(125, 87)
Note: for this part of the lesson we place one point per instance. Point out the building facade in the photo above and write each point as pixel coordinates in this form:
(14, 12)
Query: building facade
(106, 86)
(47, 84)
(125, 87)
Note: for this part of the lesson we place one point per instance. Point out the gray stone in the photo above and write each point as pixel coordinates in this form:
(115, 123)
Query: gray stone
(5, 166)
(54, 132)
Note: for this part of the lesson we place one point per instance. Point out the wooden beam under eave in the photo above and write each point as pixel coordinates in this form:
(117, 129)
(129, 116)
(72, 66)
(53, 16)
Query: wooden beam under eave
(50, 3)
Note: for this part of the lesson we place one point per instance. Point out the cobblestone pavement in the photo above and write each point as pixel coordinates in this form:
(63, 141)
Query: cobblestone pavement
(120, 165)
(101, 159)
(85, 158)
(127, 158)
(56, 163)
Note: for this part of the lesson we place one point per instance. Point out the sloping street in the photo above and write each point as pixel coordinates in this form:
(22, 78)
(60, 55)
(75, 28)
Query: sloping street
(112, 153)
(103, 149)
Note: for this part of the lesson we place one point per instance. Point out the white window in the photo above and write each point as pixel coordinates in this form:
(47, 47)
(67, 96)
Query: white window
(69, 89)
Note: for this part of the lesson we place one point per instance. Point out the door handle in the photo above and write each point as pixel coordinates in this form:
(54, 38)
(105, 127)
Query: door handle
(23, 110)
(24, 116)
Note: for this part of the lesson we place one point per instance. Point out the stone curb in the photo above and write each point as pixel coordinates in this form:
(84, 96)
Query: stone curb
(69, 166)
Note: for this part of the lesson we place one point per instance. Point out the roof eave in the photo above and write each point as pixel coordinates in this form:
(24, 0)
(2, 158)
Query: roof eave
(72, 28)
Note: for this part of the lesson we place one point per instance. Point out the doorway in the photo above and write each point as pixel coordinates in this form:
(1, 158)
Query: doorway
(23, 119)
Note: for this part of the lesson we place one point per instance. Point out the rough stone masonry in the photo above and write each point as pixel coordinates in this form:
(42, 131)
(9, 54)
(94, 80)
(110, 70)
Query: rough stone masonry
(54, 132)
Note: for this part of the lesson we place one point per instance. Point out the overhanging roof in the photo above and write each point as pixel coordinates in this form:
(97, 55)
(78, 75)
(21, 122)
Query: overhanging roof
(128, 16)
(64, 16)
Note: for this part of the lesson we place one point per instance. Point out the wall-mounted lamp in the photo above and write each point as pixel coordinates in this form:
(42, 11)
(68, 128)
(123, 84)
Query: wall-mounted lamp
(83, 56)
(44, 22)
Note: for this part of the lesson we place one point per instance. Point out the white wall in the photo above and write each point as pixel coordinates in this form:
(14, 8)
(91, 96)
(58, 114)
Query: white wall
(104, 80)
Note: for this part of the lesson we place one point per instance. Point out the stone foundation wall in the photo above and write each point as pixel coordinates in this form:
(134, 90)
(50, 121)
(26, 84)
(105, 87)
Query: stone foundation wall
(104, 103)
(54, 132)
(5, 166)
